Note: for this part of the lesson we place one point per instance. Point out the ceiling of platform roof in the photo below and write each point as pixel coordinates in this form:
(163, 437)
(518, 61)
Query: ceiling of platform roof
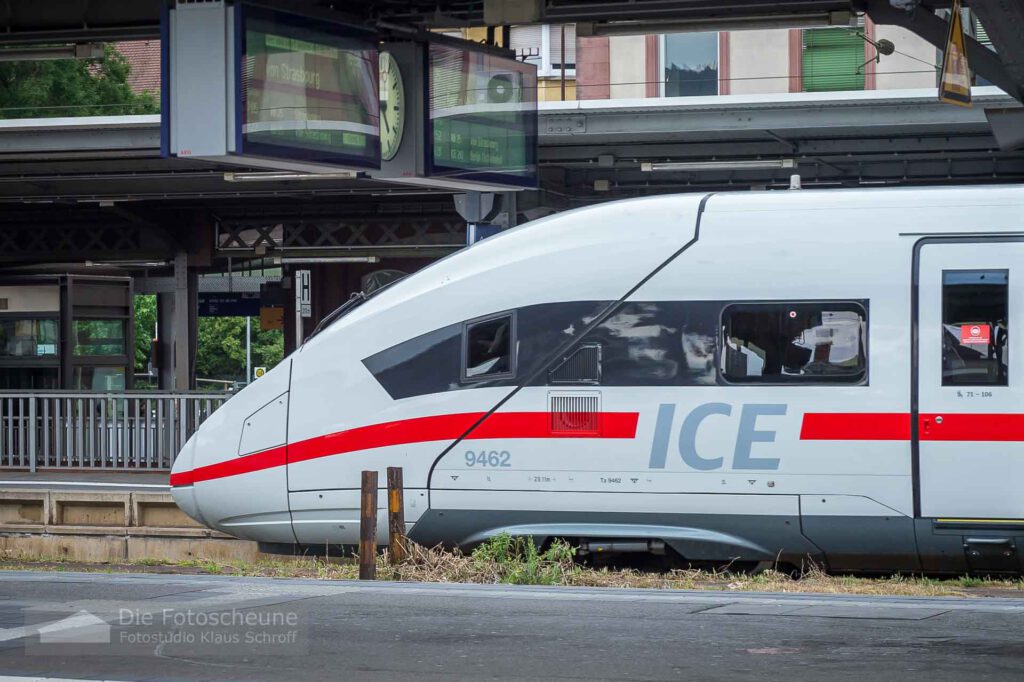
(31, 20)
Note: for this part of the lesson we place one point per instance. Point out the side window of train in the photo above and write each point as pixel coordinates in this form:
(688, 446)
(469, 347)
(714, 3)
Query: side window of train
(487, 347)
(800, 342)
(975, 348)
(659, 343)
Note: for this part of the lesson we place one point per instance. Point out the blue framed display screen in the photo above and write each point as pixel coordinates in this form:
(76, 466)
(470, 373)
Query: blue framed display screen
(483, 117)
(307, 90)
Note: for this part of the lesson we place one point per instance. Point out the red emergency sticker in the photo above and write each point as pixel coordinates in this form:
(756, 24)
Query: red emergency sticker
(975, 333)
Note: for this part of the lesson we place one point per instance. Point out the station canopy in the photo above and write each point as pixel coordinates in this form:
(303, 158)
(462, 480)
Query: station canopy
(108, 172)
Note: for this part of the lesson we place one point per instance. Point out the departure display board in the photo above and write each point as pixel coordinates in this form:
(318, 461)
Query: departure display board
(482, 117)
(307, 90)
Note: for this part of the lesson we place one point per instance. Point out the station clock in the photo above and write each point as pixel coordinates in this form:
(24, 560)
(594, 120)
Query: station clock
(392, 106)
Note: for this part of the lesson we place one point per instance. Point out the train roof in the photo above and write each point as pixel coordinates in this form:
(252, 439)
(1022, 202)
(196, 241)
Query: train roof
(627, 239)
(867, 198)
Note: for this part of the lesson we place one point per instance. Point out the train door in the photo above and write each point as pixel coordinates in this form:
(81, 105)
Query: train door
(970, 379)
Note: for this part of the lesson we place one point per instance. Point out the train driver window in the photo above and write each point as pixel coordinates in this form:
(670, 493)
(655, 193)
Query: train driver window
(974, 332)
(487, 348)
(794, 343)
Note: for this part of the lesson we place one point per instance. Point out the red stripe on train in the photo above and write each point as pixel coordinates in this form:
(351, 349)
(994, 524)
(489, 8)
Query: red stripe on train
(267, 459)
(855, 426)
(896, 426)
(972, 427)
(407, 431)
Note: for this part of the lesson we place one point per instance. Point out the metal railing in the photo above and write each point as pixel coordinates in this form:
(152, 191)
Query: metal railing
(134, 431)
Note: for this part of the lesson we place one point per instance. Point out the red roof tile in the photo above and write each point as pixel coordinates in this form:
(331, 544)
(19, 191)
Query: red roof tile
(144, 56)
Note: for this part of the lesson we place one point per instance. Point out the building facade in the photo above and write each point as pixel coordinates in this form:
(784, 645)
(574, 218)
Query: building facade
(754, 62)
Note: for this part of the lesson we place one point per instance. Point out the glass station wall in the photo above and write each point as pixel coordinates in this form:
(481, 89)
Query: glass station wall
(65, 332)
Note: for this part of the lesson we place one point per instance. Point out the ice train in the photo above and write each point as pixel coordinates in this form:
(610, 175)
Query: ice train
(762, 376)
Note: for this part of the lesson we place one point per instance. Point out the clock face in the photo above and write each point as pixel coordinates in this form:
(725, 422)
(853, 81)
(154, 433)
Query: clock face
(392, 106)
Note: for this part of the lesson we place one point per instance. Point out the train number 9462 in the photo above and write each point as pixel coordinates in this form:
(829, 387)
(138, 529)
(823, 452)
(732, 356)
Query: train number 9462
(492, 458)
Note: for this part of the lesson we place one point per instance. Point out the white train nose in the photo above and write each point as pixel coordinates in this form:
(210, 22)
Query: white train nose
(182, 489)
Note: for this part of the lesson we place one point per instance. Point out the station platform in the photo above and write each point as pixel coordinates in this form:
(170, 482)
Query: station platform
(156, 481)
(104, 517)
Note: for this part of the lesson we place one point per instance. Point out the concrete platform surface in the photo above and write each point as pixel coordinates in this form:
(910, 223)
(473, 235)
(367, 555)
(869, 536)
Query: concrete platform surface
(86, 480)
(134, 627)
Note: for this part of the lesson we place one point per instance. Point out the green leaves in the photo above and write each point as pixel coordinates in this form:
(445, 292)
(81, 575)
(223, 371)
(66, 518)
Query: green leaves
(71, 87)
(220, 352)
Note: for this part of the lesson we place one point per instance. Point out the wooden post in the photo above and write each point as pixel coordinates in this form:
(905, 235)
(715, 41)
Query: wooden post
(368, 527)
(396, 515)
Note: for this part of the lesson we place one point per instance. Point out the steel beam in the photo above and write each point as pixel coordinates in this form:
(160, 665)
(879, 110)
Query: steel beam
(328, 234)
(54, 138)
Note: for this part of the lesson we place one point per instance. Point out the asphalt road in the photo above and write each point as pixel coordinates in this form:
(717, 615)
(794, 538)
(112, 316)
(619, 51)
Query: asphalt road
(158, 627)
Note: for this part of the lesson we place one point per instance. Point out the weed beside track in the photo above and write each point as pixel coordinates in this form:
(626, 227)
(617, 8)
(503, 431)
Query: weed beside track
(518, 561)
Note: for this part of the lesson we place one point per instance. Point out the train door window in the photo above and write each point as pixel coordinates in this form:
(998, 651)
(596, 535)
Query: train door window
(806, 342)
(974, 327)
(487, 348)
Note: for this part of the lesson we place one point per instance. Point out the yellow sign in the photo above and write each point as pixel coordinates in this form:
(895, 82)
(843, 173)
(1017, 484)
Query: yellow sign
(259, 371)
(271, 318)
(955, 78)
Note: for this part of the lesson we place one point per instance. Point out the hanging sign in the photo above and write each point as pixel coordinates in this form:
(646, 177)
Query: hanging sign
(955, 78)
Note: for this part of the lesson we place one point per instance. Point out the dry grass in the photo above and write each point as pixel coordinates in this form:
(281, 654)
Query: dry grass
(512, 561)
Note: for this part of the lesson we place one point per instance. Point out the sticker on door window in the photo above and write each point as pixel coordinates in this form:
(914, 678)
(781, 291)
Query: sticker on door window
(975, 343)
(975, 333)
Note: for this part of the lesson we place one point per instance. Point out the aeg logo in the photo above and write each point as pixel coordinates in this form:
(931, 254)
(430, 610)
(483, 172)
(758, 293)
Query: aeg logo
(746, 435)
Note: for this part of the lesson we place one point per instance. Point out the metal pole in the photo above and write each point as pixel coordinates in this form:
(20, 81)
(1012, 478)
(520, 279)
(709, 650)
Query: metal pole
(248, 349)
(396, 515)
(368, 527)
(563, 62)
(180, 329)
(298, 310)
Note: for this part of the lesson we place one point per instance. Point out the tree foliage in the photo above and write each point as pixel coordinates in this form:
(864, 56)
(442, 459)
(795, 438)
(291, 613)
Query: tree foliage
(71, 87)
(145, 330)
(220, 350)
(221, 353)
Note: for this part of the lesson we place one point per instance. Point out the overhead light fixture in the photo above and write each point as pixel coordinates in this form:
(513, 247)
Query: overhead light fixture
(307, 260)
(51, 52)
(134, 264)
(629, 28)
(277, 176)
(742, 164)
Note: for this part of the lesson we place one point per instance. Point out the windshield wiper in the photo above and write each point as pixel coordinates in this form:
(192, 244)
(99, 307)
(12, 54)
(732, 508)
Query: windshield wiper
(354, 301)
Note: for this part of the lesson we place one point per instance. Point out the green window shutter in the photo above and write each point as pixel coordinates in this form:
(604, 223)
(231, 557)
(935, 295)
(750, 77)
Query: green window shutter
(832, 59)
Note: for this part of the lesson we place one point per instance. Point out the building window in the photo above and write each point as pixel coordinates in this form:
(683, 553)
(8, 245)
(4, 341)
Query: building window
(99, 337)
(690, 64)
(975, 347)
(981, 35)
(833, 59)
(28, 337)
(542, 45)
(794, 343)
(487, 348)
(99, 378)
